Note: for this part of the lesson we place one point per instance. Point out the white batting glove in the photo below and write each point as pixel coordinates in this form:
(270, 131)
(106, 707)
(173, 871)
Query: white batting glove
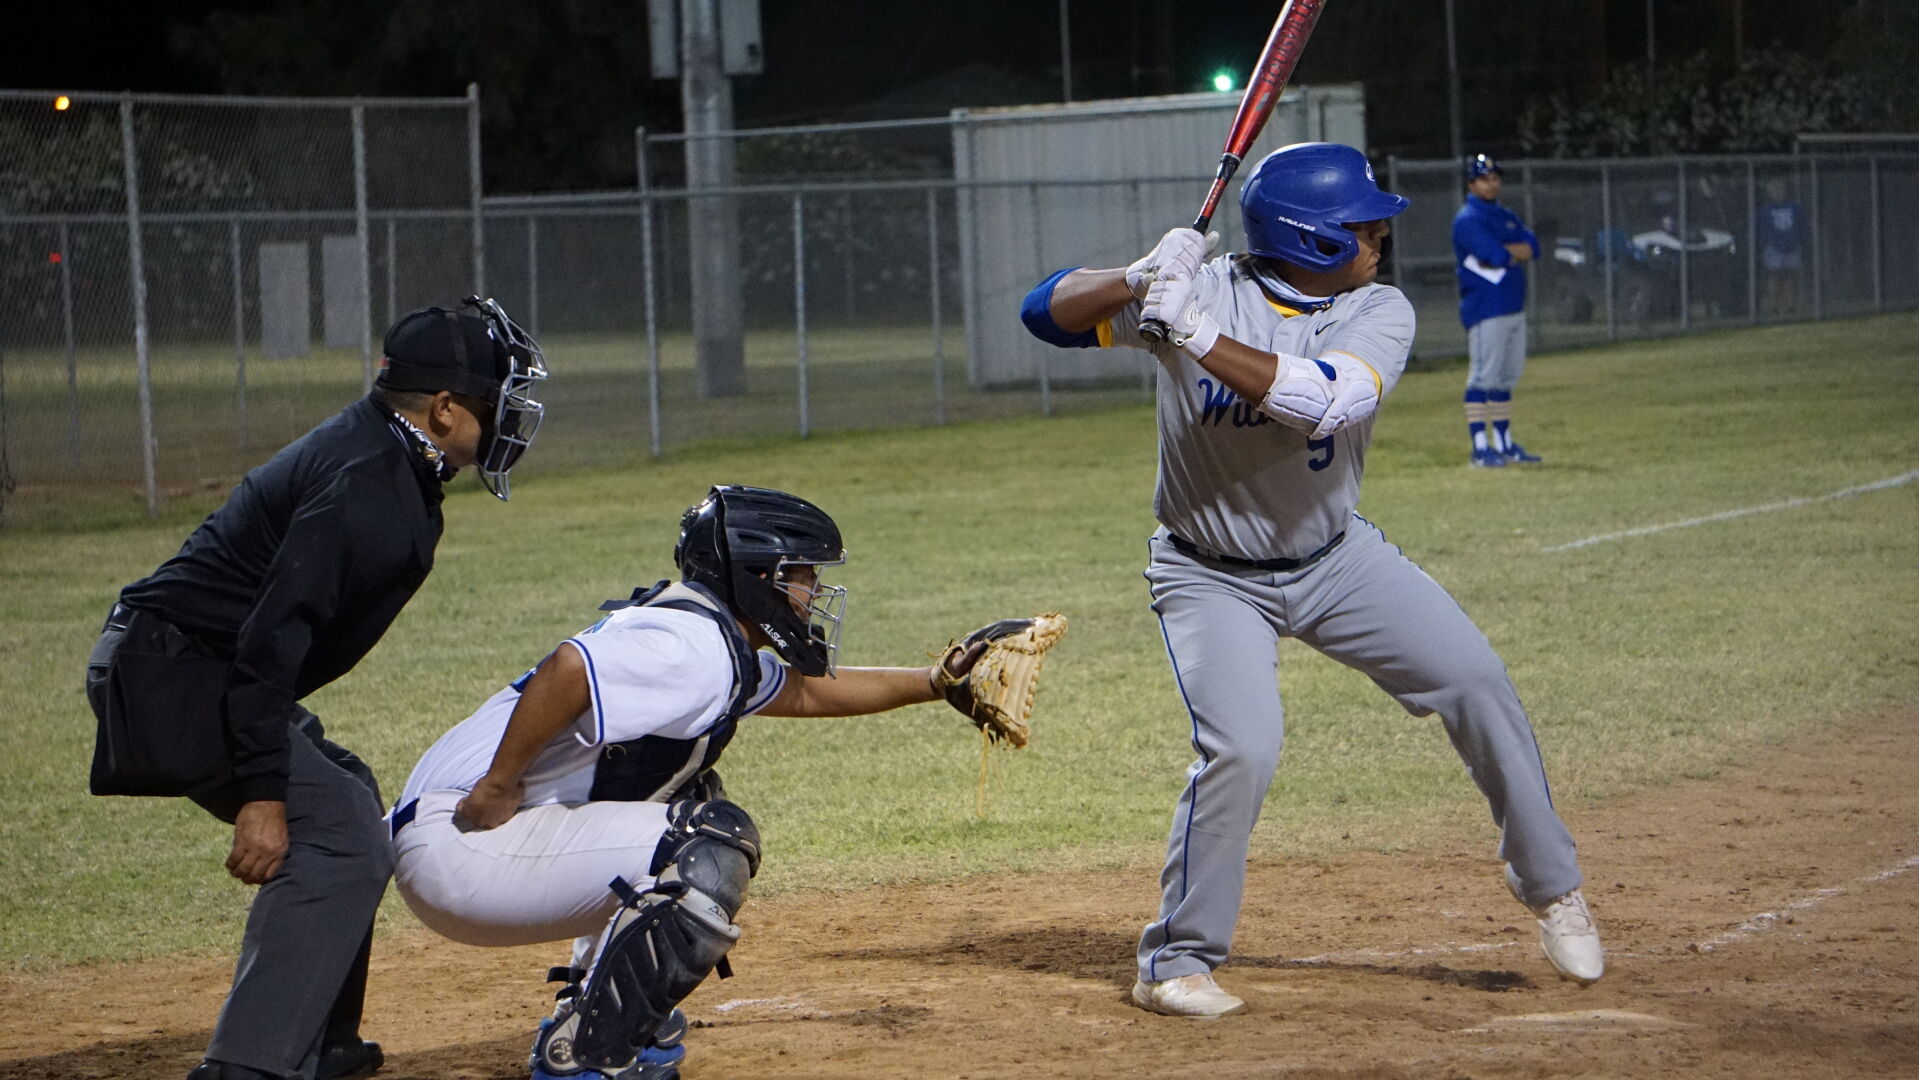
(1319, 397)
(1180, 251)
(1172, 300)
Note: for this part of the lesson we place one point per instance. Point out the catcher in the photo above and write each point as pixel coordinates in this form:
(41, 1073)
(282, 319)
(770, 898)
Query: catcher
(597, 766)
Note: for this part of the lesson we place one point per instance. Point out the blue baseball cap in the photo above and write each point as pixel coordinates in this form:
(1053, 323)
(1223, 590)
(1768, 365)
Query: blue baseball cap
(1481, 165)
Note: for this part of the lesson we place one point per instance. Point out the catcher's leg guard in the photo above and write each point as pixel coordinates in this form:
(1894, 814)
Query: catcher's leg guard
(660, 944)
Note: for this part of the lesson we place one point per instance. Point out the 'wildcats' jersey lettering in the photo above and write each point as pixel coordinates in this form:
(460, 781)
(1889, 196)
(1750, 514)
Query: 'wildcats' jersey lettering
(1221, 401)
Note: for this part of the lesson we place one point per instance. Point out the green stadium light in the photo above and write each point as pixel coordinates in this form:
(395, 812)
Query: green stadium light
(1222, 80)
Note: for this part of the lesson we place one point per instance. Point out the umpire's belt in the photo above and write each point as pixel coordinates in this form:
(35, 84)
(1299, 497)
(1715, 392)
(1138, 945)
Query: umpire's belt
(1280, 565)
(403, 816)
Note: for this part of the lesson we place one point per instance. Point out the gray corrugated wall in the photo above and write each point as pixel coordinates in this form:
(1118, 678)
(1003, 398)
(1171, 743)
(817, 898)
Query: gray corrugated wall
(1096, 185)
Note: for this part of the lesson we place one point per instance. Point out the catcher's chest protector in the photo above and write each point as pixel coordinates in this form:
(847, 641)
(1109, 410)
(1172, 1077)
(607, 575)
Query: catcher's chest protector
(654, 768)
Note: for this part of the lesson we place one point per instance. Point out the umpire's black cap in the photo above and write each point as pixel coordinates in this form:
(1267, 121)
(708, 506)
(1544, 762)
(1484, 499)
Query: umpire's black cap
(434, 349)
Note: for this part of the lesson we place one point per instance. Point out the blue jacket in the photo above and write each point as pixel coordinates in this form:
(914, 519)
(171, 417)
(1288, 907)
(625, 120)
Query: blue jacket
(1490, 282)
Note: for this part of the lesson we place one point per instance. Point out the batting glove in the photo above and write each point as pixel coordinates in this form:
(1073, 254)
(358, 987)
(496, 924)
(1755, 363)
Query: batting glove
(1171, 300)
(1180, 251)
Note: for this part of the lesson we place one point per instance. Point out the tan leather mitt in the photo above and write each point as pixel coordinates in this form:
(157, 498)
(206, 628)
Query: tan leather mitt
(991, 673)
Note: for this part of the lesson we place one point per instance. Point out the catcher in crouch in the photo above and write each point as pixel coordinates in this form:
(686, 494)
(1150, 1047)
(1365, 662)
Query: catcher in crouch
(597, 766)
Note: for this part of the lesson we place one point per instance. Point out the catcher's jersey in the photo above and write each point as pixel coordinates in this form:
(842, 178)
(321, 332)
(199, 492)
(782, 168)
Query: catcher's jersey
(1233, 480)
(652, 671)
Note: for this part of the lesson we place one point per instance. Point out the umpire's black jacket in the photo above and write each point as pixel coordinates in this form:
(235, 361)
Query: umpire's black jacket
(279, 592)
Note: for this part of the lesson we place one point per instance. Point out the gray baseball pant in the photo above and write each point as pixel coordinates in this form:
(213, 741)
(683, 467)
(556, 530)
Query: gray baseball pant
(1496, 350)
(301, 976)
(1369, 607)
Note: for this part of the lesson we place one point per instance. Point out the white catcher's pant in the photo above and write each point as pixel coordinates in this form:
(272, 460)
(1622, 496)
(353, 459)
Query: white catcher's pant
(542, 876)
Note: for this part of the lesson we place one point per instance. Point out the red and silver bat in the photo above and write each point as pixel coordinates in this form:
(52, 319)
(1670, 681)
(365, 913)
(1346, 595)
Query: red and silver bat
(1276, 63)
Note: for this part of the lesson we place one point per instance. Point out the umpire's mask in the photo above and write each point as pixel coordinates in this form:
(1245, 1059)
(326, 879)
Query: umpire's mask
(482, 354)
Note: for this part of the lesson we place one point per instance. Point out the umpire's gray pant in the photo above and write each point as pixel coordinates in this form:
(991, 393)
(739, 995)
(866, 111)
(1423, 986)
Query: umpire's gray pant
(302, 972)
(1369, 607)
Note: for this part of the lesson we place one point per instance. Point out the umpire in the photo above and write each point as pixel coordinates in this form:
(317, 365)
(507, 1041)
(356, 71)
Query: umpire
(198, 674)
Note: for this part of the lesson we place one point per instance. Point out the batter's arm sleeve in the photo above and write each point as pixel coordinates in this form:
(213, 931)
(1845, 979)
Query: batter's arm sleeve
(1378, 335)
(336, 550)
(1036, 311)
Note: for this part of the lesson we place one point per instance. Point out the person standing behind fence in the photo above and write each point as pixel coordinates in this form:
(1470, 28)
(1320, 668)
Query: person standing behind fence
(201, 666)
(1782, 230)
(1492, 247)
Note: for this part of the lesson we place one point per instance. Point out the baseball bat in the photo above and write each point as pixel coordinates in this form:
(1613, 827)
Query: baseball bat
(1275, 66)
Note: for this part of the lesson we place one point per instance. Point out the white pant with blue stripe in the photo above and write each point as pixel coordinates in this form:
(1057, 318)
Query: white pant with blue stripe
(1371, 608)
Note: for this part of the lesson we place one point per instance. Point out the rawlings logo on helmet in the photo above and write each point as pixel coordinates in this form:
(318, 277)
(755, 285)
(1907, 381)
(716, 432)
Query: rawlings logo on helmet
(1297, 224)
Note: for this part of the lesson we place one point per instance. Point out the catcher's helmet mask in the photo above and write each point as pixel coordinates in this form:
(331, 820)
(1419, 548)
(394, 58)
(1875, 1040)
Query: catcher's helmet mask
(761, 551)
(1298, 202)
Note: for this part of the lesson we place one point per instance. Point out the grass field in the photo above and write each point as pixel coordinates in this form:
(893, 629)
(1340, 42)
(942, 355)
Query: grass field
(1643, 659)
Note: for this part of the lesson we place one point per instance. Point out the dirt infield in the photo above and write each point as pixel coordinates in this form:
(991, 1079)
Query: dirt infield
(1759, 924)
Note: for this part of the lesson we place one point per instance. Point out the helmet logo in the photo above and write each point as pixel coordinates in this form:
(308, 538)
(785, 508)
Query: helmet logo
(1297, 224)
(1369, 171)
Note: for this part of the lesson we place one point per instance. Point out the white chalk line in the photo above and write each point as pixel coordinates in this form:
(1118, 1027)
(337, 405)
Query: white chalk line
(1765, 920)
(1727, 515)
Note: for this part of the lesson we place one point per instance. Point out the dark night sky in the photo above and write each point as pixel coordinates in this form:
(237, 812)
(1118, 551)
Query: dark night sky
(834, 60)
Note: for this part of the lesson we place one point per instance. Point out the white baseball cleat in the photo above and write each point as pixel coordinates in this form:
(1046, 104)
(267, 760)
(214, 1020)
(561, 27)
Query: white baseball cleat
(1569, 936)
(1189, 995)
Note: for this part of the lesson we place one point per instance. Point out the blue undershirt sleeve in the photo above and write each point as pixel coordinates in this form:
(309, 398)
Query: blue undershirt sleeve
(1036, 311)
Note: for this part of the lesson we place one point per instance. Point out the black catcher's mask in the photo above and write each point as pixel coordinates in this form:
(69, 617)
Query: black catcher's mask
(761, 550)
(483, 354)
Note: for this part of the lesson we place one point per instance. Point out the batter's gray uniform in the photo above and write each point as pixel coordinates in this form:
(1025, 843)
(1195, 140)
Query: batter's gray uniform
(1237, 487)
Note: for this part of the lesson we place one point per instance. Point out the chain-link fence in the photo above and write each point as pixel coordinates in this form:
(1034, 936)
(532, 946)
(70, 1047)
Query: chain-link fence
(190, 282)
(1634, 248)
(174, 315)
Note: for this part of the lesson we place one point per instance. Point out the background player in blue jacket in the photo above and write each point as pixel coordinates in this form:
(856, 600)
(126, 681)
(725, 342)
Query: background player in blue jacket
(1491, 247)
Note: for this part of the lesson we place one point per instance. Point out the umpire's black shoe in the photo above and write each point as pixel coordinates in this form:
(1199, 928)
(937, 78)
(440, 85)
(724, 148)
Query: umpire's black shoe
(341, 1060)
(226, 1070)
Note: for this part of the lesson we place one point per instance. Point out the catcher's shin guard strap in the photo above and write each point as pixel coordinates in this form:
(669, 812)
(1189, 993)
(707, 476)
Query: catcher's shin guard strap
(660, 945)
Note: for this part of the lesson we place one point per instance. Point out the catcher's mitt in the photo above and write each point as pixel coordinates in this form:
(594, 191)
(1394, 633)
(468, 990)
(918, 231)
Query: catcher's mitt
(991, 673)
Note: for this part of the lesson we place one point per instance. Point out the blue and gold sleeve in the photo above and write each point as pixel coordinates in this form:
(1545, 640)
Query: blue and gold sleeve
(1036, 311)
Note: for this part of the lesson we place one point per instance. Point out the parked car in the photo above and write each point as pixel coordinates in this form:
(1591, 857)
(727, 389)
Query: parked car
(1646, 268)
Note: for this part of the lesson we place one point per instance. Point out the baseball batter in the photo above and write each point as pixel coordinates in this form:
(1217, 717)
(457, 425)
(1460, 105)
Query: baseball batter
(1269, 379)
(597, 766)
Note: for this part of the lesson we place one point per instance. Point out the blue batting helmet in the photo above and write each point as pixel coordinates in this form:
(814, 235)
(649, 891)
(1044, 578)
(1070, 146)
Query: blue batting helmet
(1482, 165)
(1299, 199)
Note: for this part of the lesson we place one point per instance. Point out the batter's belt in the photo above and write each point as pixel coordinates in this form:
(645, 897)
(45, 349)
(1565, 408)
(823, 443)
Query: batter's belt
(1278, 565)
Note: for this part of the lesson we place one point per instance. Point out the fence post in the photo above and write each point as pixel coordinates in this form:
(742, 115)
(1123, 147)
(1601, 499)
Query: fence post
(799, 302)
(1142, 242)
(1539, 265)
(392, 272)
(1039, 260)
(933, 276)
(532, 273)
(1752, 242)
(967, 230)
(364, 234)
(73, 359)
(1878, 246)
(136, 271)
(1685, 263)
(650, 287)
(474, 187)
(1818, 248)
(241, 433)
(1606, 251)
